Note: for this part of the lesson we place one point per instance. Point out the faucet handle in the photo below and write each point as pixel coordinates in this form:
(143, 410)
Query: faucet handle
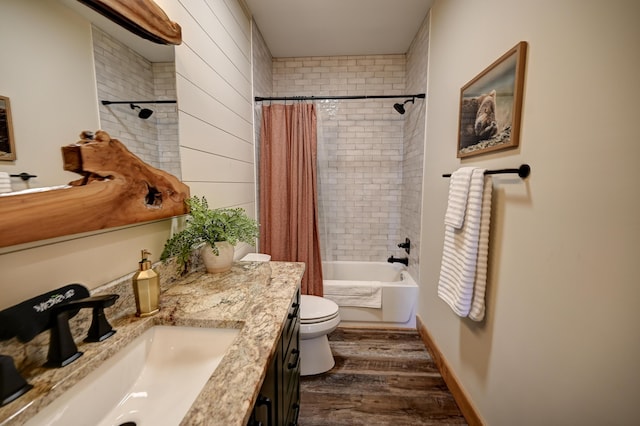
(100, 328)
(406, 245)
(62, 348)
(12, 385)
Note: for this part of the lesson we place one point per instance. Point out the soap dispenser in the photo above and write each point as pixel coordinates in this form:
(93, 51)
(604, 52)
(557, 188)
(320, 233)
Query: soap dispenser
(146, 288)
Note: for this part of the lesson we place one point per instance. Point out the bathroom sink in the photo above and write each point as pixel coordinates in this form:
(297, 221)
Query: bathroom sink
(152, 380)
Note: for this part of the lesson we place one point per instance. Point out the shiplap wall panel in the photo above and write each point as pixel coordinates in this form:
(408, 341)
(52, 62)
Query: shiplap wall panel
(200, 40)
(213, 80)
(241, 19)
(223, 34)
(217, 140)
(199, 73)
(224, 197)
(213, 111)
(207, 167)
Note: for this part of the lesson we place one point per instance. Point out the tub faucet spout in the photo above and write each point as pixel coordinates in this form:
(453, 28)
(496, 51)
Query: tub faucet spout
(403, 260)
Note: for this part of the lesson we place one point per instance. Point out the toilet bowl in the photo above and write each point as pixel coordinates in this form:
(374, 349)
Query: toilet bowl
(318, 317)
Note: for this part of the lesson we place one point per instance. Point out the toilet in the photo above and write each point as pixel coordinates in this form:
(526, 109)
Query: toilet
(318, 317)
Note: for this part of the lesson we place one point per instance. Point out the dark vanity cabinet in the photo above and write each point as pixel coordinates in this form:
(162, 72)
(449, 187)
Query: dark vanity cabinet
(278, 402)
(289, 405)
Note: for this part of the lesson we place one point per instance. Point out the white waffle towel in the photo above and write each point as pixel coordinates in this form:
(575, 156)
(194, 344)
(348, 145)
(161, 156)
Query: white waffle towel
(5, 182)
(458, 193)
(477, 306)
(464, 257)
(362, 294)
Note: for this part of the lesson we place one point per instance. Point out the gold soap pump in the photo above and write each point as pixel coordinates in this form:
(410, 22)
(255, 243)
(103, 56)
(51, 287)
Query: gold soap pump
(146, 288)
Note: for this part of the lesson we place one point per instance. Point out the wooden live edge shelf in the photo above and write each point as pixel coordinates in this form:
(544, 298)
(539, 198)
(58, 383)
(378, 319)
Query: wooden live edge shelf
(117, 188)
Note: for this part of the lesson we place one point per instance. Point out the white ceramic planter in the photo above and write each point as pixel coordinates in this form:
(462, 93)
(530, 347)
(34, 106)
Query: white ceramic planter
(217, 263)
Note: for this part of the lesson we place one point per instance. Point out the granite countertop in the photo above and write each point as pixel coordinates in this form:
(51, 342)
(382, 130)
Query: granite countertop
(253, 297)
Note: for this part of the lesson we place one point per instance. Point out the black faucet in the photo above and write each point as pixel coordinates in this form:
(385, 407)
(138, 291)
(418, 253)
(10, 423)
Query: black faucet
(403, 260)
(12, 385)
(62, 348)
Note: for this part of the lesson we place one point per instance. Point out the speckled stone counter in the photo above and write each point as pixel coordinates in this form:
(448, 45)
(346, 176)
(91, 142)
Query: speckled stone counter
(253, 297)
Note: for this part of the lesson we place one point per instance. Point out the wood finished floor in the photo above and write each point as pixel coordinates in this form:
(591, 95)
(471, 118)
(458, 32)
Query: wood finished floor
(381, 377)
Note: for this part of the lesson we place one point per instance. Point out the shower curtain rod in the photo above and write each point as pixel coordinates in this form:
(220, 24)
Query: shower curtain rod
(137, 102)
(321, 98)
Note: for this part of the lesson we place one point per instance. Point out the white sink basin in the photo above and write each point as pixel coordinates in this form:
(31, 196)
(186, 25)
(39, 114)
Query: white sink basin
(153, 380)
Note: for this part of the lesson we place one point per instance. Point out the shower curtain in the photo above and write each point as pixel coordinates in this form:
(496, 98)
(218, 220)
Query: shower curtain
(288, 192)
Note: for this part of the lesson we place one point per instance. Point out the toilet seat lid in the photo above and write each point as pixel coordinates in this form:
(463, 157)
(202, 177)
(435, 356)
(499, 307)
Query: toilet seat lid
(314, 308)
(309, 322)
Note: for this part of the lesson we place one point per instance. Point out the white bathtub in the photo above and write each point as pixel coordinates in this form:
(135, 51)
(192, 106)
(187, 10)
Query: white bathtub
(399, 293)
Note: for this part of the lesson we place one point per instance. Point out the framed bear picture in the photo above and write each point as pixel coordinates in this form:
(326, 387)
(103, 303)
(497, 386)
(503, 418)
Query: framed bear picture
(7, 147)
(491, 105)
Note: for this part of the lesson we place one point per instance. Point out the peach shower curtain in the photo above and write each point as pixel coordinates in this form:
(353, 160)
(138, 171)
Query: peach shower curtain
(288, 194)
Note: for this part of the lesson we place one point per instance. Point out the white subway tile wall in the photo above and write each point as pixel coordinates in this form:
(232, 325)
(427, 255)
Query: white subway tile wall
(370, 164)
(414, 142)
(166, 115)
(262, 64)
(122, 75)
(360, 162)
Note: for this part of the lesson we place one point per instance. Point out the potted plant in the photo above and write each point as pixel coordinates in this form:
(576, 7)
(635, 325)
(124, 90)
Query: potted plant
(212, 231)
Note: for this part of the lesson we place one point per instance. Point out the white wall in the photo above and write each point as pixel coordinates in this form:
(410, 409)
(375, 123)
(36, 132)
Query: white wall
(213, 67)
(561, 340)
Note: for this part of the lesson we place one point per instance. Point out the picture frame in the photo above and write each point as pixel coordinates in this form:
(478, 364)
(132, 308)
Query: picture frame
(491, 106)
(7, 144)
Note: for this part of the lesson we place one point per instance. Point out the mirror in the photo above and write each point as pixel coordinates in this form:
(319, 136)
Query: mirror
(54, 88)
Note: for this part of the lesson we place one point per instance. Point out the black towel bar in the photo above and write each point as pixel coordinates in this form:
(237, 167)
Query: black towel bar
(523, 171)
(25, 176)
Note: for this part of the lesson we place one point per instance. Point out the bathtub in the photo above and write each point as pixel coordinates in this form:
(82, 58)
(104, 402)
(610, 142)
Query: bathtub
(399, 293)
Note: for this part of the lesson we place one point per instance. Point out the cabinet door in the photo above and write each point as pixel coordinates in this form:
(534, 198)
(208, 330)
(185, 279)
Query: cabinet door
(265, 412)
(289, 330)
(278, 402)
(290, 403)
(291, 379)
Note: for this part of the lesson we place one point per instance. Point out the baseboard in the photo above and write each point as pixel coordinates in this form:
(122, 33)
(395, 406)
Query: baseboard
(467, 408)
(376, 325)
